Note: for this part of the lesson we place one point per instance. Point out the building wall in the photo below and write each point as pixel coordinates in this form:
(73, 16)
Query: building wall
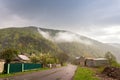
(98, 63)
(82, 61)
(1, 66)
(89, 63)
(95, 63)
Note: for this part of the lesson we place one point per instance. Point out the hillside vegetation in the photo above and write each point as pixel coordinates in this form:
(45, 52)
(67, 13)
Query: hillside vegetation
(35, 40)
(26, 40)
(77, 45)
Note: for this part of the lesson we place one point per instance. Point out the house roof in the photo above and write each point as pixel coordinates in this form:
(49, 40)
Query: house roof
(100, 59)
(96, 58)
(23, 57)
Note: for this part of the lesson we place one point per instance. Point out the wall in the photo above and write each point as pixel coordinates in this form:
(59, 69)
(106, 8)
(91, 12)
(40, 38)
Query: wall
(95, 63)
(89, 63)
(98, 63)
(82, 61)
(1, 66)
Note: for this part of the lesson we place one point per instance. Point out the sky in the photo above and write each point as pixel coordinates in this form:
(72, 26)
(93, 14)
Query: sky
(97, 19)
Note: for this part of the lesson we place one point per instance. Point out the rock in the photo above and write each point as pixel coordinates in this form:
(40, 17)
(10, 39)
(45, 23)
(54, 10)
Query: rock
(112, 72)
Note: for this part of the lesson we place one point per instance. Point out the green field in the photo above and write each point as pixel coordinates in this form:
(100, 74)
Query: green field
(84, 73)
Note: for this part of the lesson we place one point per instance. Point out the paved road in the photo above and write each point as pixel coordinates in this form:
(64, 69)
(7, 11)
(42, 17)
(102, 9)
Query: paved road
(64, 73)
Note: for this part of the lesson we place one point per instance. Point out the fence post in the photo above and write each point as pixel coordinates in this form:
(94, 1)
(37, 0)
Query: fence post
(8, 68)
(22, 67)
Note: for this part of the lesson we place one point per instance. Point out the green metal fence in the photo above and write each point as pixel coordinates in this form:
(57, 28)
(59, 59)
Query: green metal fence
(12, 68)
(28, 66)
(20, 67)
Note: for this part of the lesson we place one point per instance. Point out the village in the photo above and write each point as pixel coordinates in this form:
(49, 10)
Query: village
(12, 62)
(23, 62)
(59, 39)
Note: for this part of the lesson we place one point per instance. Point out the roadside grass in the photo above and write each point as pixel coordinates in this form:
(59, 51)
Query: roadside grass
(21, 73)
(84, 73)
(115, 65)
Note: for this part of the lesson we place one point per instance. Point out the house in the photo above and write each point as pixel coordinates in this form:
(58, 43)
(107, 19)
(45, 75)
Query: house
(91, 62)
(2, 62)
(22, 58)
(82, 61)
(96, 62)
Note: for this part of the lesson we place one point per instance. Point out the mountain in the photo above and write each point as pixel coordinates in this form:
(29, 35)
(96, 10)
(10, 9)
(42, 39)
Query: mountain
(34, 39)
(117, 45)
(77, 45)
(26, 40)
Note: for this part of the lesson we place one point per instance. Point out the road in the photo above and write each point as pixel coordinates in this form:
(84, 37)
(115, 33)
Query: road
(63, 73)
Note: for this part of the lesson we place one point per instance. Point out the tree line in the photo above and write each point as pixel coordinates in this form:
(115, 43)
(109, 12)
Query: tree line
(44, 58)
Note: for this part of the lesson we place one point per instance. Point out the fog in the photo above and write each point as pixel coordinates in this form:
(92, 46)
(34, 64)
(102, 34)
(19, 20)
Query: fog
(64, 37)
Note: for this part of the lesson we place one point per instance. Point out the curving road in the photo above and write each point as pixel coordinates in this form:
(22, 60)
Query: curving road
(63, 73)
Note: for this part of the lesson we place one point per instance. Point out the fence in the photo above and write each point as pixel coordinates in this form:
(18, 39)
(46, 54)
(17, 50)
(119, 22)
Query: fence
(20, 67)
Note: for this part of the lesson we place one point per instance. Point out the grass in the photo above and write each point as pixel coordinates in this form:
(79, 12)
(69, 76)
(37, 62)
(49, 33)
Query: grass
(21, 73)
(83, 73)
(115, 65)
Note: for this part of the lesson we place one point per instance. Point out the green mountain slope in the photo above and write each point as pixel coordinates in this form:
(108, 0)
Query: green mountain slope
(81, 47)
(33, 39)
(76, 45)
(26, 40)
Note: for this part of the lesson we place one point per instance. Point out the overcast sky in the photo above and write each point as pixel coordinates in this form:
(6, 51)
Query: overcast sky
(97, 19)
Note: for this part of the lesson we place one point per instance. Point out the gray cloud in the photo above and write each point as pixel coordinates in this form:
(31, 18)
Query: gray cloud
(86, 17)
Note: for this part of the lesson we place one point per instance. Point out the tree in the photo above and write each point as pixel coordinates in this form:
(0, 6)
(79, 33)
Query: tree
(111, 58)
(43, 58)
(34, 59)
(62, 57)
(8, 55)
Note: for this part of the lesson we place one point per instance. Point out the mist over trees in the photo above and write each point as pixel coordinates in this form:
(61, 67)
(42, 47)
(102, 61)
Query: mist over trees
(29, 40)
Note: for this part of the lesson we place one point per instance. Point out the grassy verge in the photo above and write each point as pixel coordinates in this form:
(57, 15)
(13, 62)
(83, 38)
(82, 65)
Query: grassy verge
(21, 73)
(84, 73)
(115, 65)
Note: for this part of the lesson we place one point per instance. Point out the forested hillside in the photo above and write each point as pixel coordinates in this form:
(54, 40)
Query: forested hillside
(78, 45)
(35, 40)
(26, 40)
